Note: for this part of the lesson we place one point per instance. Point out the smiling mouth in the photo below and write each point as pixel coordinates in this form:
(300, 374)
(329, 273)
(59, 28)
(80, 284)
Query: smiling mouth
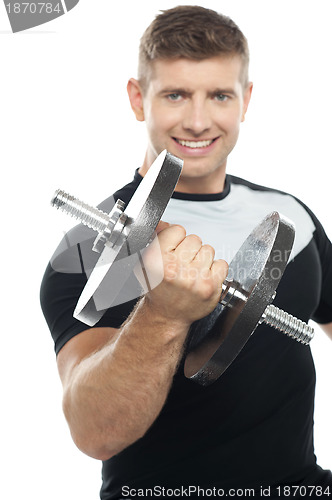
(195, 144)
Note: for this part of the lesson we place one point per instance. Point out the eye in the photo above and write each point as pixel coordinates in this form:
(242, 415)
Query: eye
(174, 97)
(221, 97)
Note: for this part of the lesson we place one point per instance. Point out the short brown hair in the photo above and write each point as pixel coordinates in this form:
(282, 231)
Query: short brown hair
(191, 32)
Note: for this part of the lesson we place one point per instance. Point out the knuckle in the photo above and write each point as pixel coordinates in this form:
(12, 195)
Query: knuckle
(208, 248)
(194, 239)
(224, 265)
(178, 230)
(221, 268)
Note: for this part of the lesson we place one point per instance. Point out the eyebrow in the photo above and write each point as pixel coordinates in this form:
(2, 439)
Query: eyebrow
(229, 91)
(184, 91)
(173, 90)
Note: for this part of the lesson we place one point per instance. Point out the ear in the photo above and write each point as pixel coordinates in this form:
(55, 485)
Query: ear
(135, 95)
(246, 99)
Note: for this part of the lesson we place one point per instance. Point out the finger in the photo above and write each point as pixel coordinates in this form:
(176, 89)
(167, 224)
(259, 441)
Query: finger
(205, 256)
(219, 270)
(188, 248)
(161, 226)
(170, 237)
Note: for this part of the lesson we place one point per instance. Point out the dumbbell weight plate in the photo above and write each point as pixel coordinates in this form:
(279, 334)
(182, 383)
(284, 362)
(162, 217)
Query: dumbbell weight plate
(117, 261)
(257, 268)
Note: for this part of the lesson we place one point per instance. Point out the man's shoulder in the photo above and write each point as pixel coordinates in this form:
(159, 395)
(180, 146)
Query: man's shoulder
(124, 193)
(233, 179)
(247, 191)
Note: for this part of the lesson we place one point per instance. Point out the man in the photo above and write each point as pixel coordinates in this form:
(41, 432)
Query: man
(126, 399)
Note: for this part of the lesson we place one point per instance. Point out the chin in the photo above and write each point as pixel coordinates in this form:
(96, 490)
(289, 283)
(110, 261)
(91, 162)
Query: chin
(197, 171)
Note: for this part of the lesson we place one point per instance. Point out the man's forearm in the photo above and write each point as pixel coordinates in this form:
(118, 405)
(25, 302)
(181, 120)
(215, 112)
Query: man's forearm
(115, 394)
(115, 389)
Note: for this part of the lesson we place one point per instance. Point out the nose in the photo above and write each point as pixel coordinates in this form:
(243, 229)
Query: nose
(197, 117)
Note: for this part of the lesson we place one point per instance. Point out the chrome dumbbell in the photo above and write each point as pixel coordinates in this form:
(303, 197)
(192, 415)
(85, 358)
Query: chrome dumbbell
(246, 295)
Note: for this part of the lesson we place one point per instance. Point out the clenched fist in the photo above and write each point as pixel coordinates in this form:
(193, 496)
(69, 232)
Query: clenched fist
(191, 281)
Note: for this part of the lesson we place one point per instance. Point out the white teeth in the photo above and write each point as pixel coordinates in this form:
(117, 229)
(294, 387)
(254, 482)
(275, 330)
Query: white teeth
(195, 144)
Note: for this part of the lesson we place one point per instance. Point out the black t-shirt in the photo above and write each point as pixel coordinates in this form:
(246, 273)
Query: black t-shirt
(253, 427)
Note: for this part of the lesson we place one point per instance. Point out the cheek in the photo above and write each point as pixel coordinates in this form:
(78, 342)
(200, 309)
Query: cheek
(231, 122)
(160, 120)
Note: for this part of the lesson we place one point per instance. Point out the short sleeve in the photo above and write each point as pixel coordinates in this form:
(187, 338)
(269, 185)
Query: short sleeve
(67, 273)
(323, 313)
(62, 285)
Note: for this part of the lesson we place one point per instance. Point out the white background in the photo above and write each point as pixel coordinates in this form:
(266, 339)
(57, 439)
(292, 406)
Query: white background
(65, 123)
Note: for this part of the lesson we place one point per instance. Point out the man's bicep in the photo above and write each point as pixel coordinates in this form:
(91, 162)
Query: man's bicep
(82, 346)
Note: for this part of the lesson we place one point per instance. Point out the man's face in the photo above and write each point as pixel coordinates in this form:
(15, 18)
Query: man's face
(194, 110)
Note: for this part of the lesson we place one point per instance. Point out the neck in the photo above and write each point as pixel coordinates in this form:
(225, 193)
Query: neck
(207, 184)
(211, 183)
